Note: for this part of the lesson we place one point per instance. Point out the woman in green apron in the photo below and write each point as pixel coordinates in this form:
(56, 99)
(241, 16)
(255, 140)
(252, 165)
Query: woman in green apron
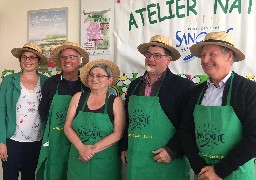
(154, 102)
(94, 124)
(218, 132)
(57, 92)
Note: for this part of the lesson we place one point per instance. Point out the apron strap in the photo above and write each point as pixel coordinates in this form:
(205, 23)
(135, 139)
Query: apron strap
(201, 94)
(136, 86)
(82, 89)
(106, 103)
(57, 88)
(85, 102)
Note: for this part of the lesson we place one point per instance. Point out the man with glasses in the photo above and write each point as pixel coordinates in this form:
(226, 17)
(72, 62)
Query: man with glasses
(56, 95)
(151, 148)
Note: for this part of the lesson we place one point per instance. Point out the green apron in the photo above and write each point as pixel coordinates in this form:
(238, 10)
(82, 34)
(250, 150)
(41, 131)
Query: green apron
(218, 130)
(91, 128)
(150, 129)
(53, 159)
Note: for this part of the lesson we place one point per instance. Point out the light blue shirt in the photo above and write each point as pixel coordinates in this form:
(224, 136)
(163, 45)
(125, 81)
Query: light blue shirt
(213, 95)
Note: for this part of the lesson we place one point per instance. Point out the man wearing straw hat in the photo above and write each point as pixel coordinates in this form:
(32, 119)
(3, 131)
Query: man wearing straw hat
(56, 95)
(151, 147)
(218, 132)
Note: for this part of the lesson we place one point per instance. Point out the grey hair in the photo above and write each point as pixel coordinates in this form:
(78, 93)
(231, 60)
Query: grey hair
(105, 68)
(225, 50)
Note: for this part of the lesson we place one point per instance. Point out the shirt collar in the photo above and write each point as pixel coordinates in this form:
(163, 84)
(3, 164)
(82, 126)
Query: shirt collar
(221, 83)
(146, 78)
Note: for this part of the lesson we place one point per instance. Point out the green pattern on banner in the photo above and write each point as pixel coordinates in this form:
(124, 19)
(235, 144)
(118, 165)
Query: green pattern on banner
(120, 88)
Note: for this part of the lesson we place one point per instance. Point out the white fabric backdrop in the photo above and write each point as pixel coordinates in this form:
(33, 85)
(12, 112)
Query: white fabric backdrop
(186, 22)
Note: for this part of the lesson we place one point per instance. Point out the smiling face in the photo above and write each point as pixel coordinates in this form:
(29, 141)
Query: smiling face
(29, 61)
(216, 63)
(98, 79)
(69, 60)
(157, 66)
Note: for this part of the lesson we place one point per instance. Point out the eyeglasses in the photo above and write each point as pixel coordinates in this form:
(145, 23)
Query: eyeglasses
(97, 76)
(71, 57)
(31, 58)
(156, 56)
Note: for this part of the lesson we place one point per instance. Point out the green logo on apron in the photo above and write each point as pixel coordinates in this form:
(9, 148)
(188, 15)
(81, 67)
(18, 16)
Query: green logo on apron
(208, 135)
(138, 119)
(61, 116)
(89, 134)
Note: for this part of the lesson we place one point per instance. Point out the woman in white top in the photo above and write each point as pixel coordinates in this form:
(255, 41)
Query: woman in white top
(20, 125)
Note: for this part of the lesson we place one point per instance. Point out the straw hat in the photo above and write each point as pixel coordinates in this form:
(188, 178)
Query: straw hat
(220, 39)
(17, 52)
(160, 41)
(69, 45)
(86, 69)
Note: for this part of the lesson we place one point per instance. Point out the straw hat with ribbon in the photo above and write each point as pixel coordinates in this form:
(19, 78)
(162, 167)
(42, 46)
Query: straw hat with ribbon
(161, 41)
(69, 45)
(220, 39)
(86, 69)
(17, 52)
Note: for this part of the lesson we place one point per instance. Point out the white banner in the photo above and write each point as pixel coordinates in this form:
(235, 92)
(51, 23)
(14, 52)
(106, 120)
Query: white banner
(186, 22)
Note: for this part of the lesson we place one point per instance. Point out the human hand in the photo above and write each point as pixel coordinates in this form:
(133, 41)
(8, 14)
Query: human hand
(124, 157)
(3, 152)
(86, 152)
(162, 156)
(208, 173)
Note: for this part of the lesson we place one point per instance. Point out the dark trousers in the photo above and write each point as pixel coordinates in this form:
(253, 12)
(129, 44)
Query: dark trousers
(23, 157)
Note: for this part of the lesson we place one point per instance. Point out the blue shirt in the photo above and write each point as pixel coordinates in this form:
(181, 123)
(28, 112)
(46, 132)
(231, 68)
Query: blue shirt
(213, 95)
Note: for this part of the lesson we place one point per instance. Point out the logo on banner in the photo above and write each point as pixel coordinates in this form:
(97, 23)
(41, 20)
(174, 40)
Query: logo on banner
(187, 39)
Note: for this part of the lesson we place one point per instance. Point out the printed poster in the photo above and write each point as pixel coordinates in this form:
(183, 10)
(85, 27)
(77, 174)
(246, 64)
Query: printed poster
(95, 32)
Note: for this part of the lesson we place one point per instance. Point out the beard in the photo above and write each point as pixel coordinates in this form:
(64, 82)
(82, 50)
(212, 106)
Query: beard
(148, 69)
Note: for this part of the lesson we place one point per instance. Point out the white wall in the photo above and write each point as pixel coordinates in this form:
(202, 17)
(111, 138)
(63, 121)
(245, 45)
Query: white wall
(13, 24)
